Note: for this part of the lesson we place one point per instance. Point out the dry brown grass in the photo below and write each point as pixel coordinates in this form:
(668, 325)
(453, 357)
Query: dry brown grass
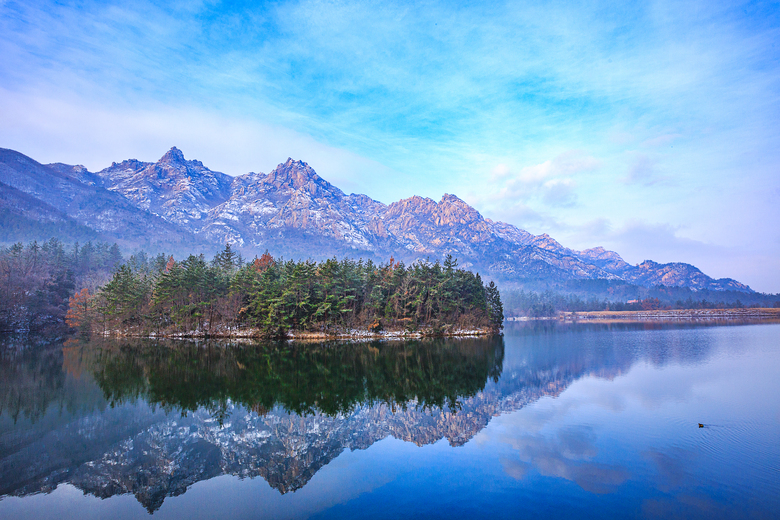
(676, 315)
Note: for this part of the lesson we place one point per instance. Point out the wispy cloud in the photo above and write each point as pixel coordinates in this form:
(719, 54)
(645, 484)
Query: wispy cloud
(436, 93)
(643, 170)
(637, 240)
(567, 455)
(552, 181)
(234, 146)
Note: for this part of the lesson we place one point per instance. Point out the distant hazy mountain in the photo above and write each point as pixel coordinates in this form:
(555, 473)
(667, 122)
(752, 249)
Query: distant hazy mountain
(73, 196)
(292, 211)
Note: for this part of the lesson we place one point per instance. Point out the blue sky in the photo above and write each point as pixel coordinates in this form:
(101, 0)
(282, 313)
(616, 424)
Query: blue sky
(650, 128)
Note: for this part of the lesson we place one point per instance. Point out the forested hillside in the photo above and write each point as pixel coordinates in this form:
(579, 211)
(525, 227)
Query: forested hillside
(37, 280)
(605, 295)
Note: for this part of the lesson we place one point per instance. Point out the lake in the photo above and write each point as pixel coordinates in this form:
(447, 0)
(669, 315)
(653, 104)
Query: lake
(549, 420)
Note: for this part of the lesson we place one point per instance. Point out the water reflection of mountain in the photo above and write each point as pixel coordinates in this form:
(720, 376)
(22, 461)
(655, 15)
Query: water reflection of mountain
(170, 416)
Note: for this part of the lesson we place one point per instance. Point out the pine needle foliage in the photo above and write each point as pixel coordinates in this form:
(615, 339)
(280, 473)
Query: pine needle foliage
(278, 296)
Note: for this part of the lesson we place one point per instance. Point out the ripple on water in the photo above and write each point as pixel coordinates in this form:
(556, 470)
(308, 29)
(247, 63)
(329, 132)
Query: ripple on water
(731, 447)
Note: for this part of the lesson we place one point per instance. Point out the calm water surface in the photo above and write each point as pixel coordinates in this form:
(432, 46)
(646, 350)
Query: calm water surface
(578, 421)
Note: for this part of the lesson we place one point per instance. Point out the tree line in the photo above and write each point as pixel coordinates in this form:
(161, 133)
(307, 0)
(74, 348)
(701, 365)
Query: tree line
(221, 296)
(38, 279)
(548, 303)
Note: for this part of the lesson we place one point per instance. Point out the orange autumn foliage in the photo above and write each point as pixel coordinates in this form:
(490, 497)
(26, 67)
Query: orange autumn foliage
(263, 263)
(78, 309)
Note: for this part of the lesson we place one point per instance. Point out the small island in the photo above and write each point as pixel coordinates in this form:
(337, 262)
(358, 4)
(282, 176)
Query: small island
(272, 298)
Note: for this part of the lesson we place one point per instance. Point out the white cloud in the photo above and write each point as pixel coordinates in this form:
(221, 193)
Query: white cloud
(559, 192)
(665, 95)
(567, 455)
(99, 136)
(552, 181)
(636, 241)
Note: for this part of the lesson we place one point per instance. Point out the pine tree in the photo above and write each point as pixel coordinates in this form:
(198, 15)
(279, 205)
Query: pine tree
(494, 306)
(226, 259)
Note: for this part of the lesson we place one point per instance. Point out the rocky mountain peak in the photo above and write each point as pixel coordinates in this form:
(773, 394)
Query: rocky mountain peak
(78, 172)
(179, 191)
(448, 198)
(609, 260)
(452, 210)
(295, 212)
(596, 251)
(648, 264)
(599, 253)
(453, 201)
(298, 175)
(680, 274)
(545, 241)
(129, 165)
(414, 205)
(173, 156)
(510, 232)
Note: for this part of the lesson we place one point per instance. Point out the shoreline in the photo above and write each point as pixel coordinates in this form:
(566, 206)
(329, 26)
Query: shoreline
(758, 314)
(256, 334)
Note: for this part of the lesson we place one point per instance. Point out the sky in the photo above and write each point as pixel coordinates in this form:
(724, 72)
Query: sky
(649, 128)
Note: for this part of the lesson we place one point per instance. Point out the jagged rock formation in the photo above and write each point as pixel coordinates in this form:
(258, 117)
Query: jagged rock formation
(294, 202)
(178, 190)
(294, 212)
(607, 260)
(61, 194)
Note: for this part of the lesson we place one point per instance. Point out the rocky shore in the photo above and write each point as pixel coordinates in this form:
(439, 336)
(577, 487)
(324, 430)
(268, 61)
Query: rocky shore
(354, 334)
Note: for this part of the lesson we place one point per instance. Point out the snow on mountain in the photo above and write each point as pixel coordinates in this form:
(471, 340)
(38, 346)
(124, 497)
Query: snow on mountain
(77, 194)
(180, 191)
(294, 212)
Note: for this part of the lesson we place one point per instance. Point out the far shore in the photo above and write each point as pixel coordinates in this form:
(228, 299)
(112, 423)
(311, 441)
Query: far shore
(664, 315)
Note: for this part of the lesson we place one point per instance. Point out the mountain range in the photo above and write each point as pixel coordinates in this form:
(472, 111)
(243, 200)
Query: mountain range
(180, 205)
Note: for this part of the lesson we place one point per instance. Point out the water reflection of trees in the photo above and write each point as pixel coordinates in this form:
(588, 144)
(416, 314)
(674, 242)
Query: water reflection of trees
(329, 391)
(33, 379)
(36, 373)
(302, 378)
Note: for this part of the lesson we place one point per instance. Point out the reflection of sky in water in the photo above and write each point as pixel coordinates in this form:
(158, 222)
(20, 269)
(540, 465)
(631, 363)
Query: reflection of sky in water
(622, 439)
(637, 434)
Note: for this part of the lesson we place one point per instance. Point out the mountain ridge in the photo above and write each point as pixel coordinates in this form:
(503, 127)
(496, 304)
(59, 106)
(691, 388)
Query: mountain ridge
(109, 214)
(292, 211)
